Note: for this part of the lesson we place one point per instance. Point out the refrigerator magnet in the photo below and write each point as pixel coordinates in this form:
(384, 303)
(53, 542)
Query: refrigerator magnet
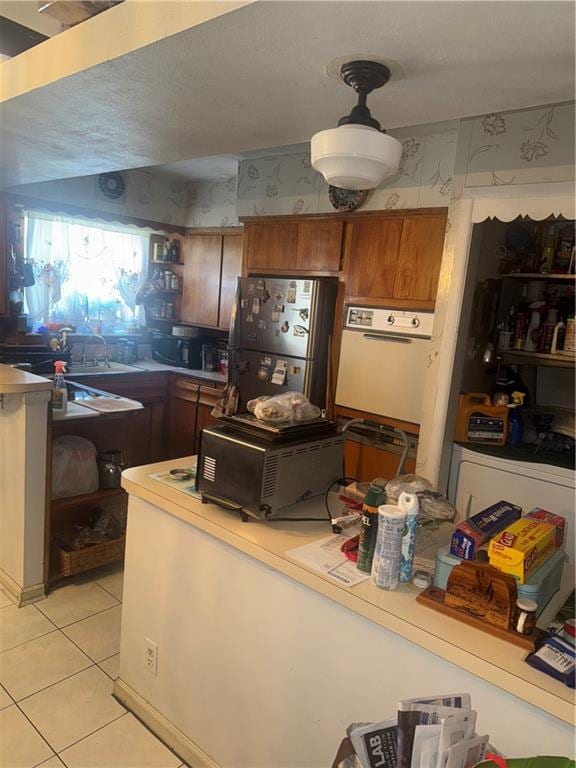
(274, 316)
(267, 361)
(279, 375)
(244, 303)
(295, 370)
(263, 373)
(299, 330)
(252, 337)
(249, 318)
(291, 296)
(262, 324)
(256, 306)
(285, 327)
(265, 296)
(304, 313)
(251, 288)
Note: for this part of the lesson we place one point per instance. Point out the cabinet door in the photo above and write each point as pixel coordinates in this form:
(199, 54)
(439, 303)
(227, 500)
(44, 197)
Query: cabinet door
(420, 256)
(271, 246)
(3, 258)
(319, 246)
(231, 270)
(366, 462)
(182, 435)
(202, 257)
(207, 399)
(370, 257)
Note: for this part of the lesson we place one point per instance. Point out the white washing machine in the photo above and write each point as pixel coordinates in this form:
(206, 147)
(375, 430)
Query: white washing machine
(478, 480)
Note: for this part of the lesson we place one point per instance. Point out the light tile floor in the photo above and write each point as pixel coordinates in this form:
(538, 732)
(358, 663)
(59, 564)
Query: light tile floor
(58, 659)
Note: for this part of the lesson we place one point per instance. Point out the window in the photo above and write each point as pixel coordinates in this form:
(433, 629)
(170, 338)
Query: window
(86, 274)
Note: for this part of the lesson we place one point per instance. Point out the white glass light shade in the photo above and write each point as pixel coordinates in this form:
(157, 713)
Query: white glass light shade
(355, 156)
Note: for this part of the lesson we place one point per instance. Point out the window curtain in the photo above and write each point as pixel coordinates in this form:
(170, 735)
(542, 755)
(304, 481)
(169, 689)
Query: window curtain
(85, 274)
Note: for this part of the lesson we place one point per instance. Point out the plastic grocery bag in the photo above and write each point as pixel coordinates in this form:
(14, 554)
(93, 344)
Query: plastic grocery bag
(74, 467)
(283, 409)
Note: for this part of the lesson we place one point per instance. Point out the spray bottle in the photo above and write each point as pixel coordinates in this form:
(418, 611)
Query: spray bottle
(59, 393)
(369, 526)
(516, 420)
(408, 502)
(388, 549)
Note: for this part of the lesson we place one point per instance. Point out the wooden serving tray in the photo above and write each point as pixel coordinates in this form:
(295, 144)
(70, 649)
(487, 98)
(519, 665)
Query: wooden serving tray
(433, 597)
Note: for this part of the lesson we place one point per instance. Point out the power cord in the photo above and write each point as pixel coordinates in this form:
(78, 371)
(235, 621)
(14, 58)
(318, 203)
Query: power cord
(341, 481)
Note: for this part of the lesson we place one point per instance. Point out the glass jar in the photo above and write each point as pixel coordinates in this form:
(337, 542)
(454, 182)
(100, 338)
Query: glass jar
(525, 619)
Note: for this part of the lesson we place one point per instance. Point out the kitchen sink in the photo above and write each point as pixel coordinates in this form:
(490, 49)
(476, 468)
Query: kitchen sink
(101, 367)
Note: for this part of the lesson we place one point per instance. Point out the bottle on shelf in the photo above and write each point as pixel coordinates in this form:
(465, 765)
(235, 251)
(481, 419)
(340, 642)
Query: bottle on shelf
(547, 335)
(548, 251)
(516, 420)
(564, 246)
(533, 333)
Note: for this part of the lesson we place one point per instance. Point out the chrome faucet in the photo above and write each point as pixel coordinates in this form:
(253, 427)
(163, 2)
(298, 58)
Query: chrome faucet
(104, 342)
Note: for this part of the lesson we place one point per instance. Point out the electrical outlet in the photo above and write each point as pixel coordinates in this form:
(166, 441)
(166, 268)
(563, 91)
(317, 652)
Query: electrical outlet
(151, 656)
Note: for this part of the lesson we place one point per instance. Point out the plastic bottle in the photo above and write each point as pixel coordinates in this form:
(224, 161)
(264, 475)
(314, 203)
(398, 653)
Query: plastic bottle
(375, 496)
(388, 549)
(533, 332)
(410, 504)
(516, 420)
(59, 393)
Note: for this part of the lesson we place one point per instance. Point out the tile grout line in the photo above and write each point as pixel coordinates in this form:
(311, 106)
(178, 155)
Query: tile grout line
(31, 640)
(38, 732)
(59, 754)
(46, 687)
(77, 621)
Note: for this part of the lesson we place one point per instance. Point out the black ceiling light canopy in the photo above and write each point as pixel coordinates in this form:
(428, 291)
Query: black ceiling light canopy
(364, 77)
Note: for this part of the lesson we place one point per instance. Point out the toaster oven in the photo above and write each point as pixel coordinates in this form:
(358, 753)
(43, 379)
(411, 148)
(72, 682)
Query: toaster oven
(261, 478)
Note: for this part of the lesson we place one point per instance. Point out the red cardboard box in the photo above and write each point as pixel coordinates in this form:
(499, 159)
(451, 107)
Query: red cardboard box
(549, 517)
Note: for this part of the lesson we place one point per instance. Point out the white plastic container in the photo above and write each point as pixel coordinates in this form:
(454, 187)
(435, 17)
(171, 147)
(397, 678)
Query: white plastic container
(388, 549)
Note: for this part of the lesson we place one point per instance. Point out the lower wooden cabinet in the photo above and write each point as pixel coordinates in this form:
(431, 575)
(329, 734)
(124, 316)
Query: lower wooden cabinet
(191, 407)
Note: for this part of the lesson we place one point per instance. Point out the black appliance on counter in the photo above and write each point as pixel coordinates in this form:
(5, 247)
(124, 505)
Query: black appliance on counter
(32, 358)
(180, 351)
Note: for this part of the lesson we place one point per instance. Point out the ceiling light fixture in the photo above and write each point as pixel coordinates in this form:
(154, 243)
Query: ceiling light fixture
(358, 154)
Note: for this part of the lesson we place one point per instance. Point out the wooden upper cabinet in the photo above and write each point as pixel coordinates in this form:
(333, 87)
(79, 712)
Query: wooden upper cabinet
(319, 246)
(370, 256)
(419, 257)
(394, 258)
(202, 257)
(271, 246)
(293, 246)
(231, 270)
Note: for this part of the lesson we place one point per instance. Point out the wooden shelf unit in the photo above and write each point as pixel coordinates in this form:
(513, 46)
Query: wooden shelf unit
(519, 357)
(549, 276)
(87, 498)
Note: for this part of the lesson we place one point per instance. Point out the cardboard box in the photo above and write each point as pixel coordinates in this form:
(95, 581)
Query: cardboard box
(549, 517)
(522, 547)
(469, 535)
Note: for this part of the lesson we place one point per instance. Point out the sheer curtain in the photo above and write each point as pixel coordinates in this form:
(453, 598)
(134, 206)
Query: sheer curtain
(86, 273)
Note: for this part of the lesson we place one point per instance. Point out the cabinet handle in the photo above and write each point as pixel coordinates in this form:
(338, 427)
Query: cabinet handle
(378, 337)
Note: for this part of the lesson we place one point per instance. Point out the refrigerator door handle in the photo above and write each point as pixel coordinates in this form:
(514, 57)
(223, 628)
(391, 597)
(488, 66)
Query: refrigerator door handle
(233, 338)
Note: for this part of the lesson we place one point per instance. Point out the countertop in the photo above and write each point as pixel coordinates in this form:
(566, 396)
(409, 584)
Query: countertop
(489, 658)
(13, 381)
(152, 366)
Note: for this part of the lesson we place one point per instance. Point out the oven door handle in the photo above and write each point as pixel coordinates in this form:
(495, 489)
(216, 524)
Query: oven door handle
(380, 337)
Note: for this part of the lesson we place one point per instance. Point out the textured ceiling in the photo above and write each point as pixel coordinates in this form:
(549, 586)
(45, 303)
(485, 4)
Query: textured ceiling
(256, 78)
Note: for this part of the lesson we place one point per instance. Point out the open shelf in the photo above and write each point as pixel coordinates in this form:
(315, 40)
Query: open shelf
(86, 498)
(518, 357)
(166, 263)
(550, 276)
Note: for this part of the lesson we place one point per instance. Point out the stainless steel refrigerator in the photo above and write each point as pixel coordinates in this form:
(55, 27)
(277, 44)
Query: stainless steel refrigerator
(280, 336)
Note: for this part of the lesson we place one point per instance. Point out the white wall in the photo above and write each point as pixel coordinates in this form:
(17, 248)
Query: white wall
(262, 672)
(23, 428)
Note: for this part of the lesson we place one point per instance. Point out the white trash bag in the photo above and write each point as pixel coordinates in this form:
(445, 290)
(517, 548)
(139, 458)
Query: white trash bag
(74, 467)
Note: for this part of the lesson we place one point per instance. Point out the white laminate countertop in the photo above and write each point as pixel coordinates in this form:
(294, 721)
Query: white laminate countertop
(14, 381)
(489, 658)
(150, 366)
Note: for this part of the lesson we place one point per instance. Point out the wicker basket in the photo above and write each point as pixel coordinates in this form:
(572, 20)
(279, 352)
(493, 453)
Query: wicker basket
(80, 560)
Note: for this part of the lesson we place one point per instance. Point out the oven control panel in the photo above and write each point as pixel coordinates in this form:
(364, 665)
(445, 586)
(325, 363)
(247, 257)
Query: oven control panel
(392, 321)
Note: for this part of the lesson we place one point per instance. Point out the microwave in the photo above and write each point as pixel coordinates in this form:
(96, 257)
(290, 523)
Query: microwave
(177, 351)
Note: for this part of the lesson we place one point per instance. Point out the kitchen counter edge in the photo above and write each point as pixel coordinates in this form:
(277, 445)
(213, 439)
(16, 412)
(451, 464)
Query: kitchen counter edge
(489, 658)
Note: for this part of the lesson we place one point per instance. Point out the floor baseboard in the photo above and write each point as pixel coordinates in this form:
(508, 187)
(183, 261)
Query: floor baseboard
(21, 595)
(177, 741)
